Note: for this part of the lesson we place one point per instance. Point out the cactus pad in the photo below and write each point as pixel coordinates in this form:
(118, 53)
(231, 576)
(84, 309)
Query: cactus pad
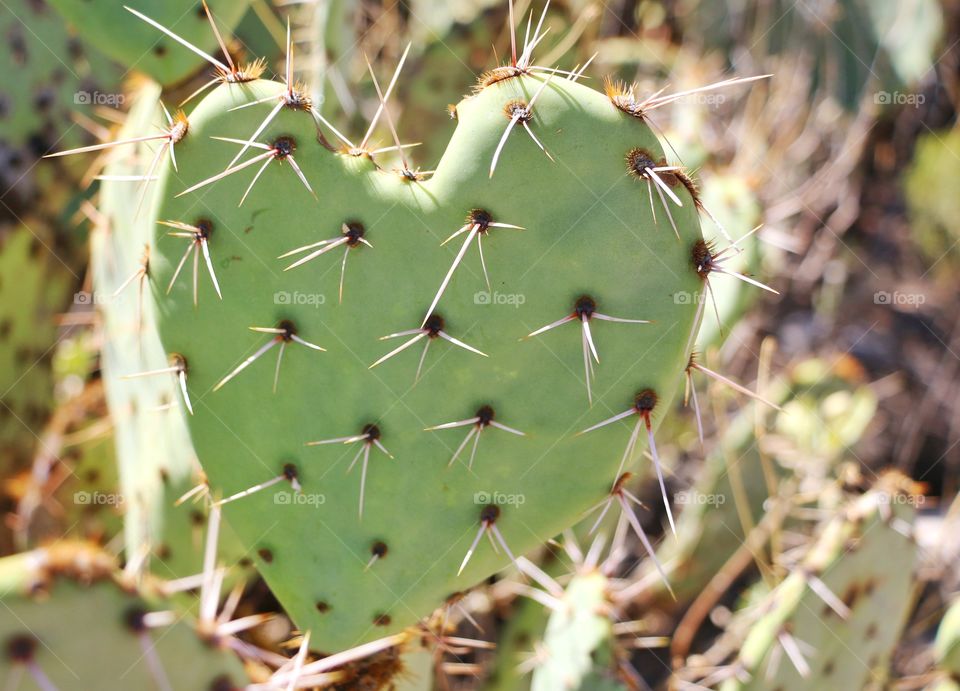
(578, 642)
(842, 639)
(33, 289)
(132, 42)
(590, 246)
(157, 463)
(49, 75)
(49, 636)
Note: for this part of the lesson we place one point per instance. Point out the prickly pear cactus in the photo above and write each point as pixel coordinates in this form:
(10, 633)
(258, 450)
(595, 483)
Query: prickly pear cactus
(935, 159)
(33, 289)
(711, 527)
(157, 463)
(833, 622)
(592, 246)
(48, 637)
(49, 76)
(89, 500)
(946, 650)
(578, 642)
(128, 39)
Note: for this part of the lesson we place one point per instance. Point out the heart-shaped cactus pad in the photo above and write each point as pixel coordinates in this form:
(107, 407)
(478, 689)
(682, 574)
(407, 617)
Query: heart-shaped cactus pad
(583, 236)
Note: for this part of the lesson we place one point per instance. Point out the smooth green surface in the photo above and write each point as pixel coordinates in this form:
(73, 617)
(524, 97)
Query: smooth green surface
(140, 47)
(83, 642)
(947, 645)
(34, 286)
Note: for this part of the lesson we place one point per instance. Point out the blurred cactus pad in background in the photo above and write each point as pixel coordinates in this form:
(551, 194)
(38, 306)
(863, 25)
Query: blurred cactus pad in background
(479, 345)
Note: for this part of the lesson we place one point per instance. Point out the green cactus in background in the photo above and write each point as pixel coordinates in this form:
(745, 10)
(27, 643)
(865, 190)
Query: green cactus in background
(55, 595)
(855, 46)
(577, 644)
(932, 212)
(34, 288)
(834, 620)
(87, 503)
(52, 84)
(946, 650)
(125, 37)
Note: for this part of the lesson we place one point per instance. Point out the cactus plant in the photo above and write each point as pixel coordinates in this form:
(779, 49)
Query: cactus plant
(834, 619)
(404, 218)
(157, 463)
(33, 289)
(930, 213)
(650, 205)
(52, 81)
(946, 650)
(54, 593)
(127, 38)
(578, 639)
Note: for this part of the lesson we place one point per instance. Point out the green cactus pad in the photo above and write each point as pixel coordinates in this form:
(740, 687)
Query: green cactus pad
(33, 288)
(91, 502)
(589, 231)
(852, 559)
(578, 642)
(141, 47)
(157, 463)
(946, 648)
(49, 76)
(53, 635)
